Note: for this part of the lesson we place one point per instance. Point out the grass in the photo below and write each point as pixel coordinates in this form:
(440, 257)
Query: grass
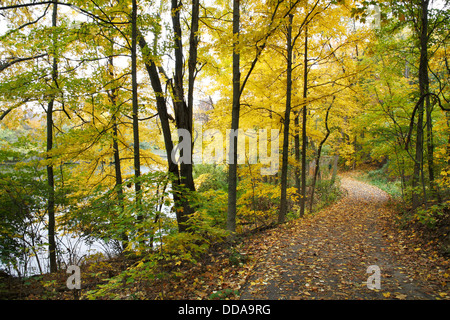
(380, 179)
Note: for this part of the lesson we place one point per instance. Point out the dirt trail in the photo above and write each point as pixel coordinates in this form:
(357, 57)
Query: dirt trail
(326, 256)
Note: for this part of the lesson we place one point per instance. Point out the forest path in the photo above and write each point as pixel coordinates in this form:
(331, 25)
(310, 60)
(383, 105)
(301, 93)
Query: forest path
(326, 256)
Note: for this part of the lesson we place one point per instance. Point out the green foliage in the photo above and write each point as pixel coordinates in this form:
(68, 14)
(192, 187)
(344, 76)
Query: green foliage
(211, 196)
(328, 191)
(381, 179)
(210, 177)
(224, 294)
(213, 205)
(160, 262)
(236, 258)
(391, 91)
(22, 204)
(101, 216)
(154, 240)
(22, 200)
(434, 215)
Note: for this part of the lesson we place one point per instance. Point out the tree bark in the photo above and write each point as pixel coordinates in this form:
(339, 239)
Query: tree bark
(118, 174)
(51, 190)
(423, 88)
(232, 157)
(116, 153)
(183, 112)
(135, 106)
(319, 153)
(284, 166)
(304, 138)
(50, 172)
(193, 49)
(430, 149)
(297, 152)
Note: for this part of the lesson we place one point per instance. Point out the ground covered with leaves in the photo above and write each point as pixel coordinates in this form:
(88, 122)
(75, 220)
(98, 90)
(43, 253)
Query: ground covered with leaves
(326, 256)
(321, 256)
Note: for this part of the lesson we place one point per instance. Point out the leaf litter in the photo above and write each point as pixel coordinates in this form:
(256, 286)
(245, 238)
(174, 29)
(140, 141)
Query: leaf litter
(326, 255)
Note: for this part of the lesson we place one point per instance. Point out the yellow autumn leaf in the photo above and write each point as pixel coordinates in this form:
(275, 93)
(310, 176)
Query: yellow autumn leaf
(401, 296)
(443, 294)
(386, 294)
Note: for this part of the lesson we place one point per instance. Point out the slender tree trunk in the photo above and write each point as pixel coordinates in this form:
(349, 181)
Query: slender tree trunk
(192, 66)
(118, 173)
(50, 172)
(403, 180)
(423, 87)
(304, 138)
(51, 190)
(135, 106)
(319, 153)
(193, 48)
(430, 150)
(116, 154)
(232, 169)
(287, 114)
(297, 152)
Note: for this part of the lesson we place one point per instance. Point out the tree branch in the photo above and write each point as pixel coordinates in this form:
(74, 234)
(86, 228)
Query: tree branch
(6, 64)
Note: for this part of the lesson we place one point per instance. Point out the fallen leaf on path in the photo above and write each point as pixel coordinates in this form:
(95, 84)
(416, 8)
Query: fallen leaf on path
(401, 296)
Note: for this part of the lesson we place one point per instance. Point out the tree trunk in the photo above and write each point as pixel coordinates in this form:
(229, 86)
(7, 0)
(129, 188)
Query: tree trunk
(192, 66)
(284, 166)
(183, 113)
(116, 154)
(50, 173)
(430, 149)
(319, 153)
(193, 48)
(161, 106)
(118, 173)
(423, 87)
(232, 169)
(135, 106)
(297, 152)
(304, 138)
(51, 190)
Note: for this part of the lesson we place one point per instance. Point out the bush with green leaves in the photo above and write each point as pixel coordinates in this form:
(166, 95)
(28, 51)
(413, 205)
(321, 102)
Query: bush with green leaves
(22, 208)
(133, 223)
